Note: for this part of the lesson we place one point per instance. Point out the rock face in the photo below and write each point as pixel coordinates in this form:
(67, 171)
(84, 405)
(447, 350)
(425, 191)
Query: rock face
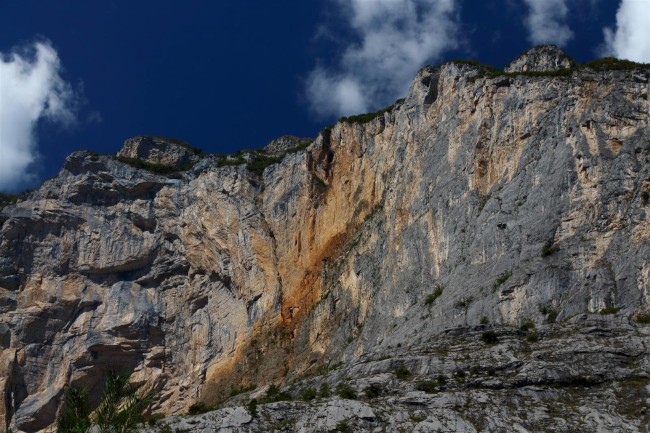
(158, 150)
(541, 58)
(424, 238)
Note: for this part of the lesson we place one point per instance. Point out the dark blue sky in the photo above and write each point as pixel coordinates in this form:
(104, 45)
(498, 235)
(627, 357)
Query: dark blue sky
(227, 75)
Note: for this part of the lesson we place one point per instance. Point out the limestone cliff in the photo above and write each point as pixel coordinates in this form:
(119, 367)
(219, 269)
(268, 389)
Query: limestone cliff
(479, 203)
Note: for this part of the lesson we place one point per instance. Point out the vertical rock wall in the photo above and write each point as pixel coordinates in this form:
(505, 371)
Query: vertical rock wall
(519, 195)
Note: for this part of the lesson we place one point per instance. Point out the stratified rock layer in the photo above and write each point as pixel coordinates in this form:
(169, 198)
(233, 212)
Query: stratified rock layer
(521, 199)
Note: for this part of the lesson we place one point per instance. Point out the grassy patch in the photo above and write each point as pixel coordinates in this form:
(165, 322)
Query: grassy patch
(549, 313)
(609, 310)
(533, 337)
(549, 249)
(154, 418)
(241, 390)
(501, 279)
(308, 394)
(612, 64)
(374, 390)
(324, 391)
(326, 131)
(260, 161)
(285, 424)
(344, 390)
(431, 298)
(527, 325)
(428, 386)
(252, 407)
(460, 375)
(403, 373)
(643, 318)
(464, 303)
(199, 408)
(165, 428)
(574, 381)
(318, 181)
(227, 162)
(274, 394)
(342, 427)
(299, 147)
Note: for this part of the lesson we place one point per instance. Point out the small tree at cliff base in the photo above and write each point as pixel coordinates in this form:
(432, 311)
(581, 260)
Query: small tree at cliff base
(120, 409)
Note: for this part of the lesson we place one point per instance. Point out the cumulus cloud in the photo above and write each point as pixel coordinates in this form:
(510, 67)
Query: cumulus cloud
(394, 38)
(631, 39)
(546, 22)
(31, 88)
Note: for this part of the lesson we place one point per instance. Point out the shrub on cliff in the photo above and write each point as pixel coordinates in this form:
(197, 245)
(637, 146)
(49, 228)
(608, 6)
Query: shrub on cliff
(344, 390)
(431, 298)
(309, 394)
(274, 394)
(489, 337)
(198, 408)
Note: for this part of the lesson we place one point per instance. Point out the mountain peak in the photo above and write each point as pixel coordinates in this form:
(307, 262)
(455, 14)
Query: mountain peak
(158, 150)
(286, 142)
(541, 58)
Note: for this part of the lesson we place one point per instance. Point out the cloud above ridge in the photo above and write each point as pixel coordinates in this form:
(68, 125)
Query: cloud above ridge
(631, 39)
(31, 89)
(546, 22)
(394, 39)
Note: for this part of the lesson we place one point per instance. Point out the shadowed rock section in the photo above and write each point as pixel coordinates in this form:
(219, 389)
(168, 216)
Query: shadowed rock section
(516, 199)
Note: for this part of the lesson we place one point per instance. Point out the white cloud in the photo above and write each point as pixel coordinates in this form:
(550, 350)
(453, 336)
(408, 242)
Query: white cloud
(31, 88)
(395, 39)
(546, 22)
(631, 40)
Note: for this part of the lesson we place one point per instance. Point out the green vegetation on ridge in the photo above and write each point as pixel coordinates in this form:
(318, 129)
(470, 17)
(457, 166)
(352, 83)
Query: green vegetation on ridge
(600, 65)
(7, 199)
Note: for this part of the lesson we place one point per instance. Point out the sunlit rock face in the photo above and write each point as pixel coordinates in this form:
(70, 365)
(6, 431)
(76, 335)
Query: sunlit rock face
(524, 198)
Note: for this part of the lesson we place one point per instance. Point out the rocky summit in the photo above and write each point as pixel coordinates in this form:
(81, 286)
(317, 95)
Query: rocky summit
(474, 258)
